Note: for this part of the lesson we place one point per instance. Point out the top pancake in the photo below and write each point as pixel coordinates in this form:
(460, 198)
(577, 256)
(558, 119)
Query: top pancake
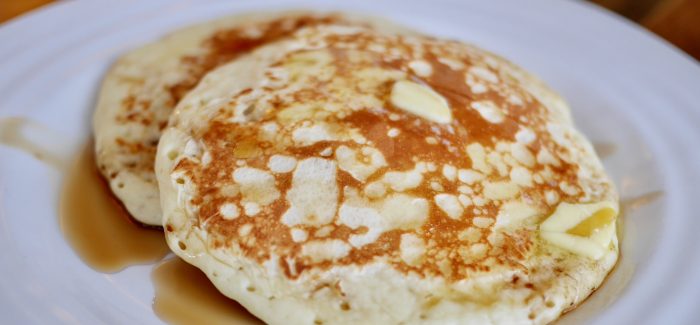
(352, 176)
(142, 88)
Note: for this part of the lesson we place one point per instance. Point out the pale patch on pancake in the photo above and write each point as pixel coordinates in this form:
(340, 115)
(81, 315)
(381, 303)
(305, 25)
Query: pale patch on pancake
(401, 181)
(469, 176)
(488, 111)
(421, 68)
(449, 204)
(313, 196)
(397, 211)
(256, 185)
(308, 135)
(459, 220)
(325, 250)
(412, 249)
(281, 163)
(478, 157)
(361, 167)
(229, 211)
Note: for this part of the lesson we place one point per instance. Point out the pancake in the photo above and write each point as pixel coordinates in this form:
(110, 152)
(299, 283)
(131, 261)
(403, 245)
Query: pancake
(345, 176)
(142, 88)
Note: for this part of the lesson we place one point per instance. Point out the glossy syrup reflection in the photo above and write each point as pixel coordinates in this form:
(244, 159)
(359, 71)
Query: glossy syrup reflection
(184, 295)
(97, 226)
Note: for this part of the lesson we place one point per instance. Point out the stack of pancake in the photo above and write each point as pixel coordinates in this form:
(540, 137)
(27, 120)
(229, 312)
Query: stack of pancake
(330, 168)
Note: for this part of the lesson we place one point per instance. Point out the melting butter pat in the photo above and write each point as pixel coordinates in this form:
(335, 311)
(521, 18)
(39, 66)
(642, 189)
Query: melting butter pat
(584, 229)
(420, 100)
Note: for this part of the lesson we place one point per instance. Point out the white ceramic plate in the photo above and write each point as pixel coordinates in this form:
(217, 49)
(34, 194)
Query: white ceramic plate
(626, 87)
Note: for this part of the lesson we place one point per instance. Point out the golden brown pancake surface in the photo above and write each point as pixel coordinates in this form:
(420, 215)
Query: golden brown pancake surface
(356, 176)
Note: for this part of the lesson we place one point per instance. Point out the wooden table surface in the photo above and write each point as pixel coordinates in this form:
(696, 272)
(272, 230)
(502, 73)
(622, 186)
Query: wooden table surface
(678, 21)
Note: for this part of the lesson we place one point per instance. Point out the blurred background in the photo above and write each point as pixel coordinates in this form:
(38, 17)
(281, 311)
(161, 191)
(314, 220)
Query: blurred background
(677, 21)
